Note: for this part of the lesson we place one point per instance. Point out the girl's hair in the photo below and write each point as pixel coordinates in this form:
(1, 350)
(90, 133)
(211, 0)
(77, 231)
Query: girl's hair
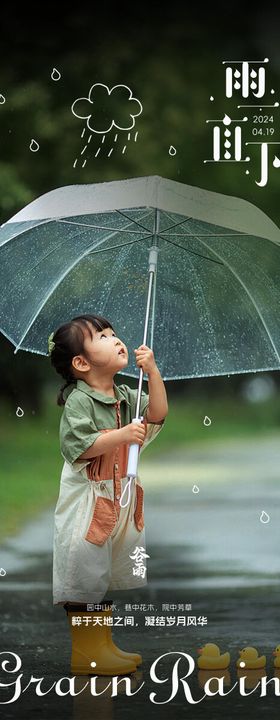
(69, 341)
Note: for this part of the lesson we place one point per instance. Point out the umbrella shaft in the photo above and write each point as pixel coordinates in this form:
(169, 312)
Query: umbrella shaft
(152, 272)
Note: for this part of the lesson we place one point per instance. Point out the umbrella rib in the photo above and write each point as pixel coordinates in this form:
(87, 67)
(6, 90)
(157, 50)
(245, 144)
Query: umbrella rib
(98, 227)
(176, 224)
(191, 251)
(236, 234)
(208, 326)
(227, 264)
(92, 252)
(187, 220)
(50, 252)
(54, 249)
(132, 221)
(54, 286)
(214, 235)
(130, 242)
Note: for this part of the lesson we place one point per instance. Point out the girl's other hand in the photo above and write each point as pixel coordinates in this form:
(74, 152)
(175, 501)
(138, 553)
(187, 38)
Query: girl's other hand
(133, 433)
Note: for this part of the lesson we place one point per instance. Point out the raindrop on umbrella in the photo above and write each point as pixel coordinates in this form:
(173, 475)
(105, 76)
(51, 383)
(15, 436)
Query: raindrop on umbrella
(206, 420)
(34, 146)
(172, 150)
(264, 517)
(19, 412)
(2, 99)
(195, 489)
(56, 75)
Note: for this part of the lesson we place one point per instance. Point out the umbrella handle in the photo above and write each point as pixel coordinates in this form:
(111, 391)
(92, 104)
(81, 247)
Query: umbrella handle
(133, 455)
(127, 489)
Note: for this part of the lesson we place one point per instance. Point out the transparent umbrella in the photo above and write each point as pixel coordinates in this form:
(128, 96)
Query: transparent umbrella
(197, 272)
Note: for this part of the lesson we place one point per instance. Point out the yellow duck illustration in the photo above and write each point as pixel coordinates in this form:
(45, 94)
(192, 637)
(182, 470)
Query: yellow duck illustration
(211, 659)
(276, 652)
(250, 656)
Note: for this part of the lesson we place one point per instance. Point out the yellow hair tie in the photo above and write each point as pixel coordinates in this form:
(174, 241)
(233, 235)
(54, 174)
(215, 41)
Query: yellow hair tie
(51, 343)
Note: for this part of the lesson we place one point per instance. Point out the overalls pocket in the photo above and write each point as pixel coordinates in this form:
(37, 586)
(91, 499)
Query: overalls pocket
(103, 521)
(139, 508)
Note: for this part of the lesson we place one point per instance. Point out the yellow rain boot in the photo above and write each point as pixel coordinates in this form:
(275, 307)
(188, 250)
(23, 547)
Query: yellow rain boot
(89, 644)
(134, 657)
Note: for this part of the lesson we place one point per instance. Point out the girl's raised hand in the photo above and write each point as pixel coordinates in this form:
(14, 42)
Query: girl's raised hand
(145, 358)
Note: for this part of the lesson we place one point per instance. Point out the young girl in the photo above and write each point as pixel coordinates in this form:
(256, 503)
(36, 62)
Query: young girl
(95, 537)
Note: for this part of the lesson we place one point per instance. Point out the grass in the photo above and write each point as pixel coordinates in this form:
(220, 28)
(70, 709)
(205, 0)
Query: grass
(31, 462)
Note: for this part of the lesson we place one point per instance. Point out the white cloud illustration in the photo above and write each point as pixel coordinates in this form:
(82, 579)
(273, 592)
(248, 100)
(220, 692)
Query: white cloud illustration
(105, 109)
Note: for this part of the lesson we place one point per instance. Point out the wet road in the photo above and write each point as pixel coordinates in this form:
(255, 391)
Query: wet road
(208, 550)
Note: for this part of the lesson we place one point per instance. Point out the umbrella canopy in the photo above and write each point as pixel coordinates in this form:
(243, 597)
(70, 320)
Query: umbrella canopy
(85, 249)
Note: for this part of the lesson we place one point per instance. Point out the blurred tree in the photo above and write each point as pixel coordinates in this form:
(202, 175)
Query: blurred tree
(22, 376)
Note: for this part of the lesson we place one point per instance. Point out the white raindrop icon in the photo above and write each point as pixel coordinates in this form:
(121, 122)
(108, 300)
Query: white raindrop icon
(211, 98)
(276, 162)
(226, 120)
(264, 517)
(34, 146)
(2, 99)
(56, 75)
(172, 150)
(2, 572)
(207, 420)
(195, 489)
(19, 412)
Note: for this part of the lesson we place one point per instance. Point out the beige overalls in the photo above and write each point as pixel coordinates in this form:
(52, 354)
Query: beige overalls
(94, 536)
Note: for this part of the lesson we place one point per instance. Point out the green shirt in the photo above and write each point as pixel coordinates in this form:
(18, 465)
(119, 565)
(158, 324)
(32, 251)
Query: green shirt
(87, 411)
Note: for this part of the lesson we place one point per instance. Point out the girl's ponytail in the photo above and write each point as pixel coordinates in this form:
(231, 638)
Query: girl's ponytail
(60, 398)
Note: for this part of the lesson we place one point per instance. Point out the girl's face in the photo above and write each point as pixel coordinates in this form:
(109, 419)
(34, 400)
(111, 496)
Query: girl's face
(105, 350)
